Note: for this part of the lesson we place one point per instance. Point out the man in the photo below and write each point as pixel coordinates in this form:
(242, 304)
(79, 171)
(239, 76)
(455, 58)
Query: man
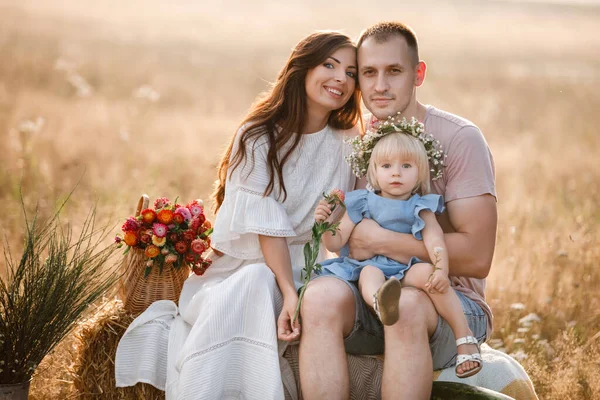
(335, 318)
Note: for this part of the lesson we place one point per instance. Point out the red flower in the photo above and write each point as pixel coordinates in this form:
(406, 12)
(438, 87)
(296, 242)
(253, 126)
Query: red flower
(181, 247)
(148, 216)
(131, 224)
(145, 238)
(199, 246)
(173, 237)
(195, 224)
(178, 218)
(190, 257)
(165, 216)
(130, 238)
(188, 235)
(200, 269)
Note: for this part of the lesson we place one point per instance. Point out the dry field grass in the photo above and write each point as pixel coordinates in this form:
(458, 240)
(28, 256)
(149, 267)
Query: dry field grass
(142, 97)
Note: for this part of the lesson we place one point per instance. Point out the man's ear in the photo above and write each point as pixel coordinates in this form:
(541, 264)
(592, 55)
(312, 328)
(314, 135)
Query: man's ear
(421, 69)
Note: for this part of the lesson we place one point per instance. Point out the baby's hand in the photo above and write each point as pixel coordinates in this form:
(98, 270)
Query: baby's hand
(438, 282)
(323, 211)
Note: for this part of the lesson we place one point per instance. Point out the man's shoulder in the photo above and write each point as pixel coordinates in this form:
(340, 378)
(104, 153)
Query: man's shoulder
(446, 120)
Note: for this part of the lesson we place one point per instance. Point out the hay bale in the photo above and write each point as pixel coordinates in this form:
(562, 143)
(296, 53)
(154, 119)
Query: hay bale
(95, 346)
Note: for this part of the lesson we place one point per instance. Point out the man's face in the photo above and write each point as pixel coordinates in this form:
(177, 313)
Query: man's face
(388, 77)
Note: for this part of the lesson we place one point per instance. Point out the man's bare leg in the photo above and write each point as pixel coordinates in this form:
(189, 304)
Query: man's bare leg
(328, 312)
(408, 368)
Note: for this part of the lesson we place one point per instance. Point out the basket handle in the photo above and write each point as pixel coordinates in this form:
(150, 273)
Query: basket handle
(142, 204)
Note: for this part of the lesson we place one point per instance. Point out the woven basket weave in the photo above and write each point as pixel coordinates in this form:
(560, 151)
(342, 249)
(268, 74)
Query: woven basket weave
(137, 292)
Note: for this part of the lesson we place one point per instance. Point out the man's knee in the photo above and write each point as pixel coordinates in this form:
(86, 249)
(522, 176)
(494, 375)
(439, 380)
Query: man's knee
(327, 301)
(416, 311)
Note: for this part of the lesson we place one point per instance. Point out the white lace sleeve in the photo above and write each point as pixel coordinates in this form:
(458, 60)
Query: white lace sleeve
(245, 212)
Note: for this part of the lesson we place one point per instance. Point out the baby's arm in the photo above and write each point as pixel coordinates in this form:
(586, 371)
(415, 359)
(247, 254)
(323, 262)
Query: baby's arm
(335, 242)
(433, 238)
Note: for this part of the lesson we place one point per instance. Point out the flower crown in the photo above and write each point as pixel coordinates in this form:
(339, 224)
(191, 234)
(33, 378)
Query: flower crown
(362, 147)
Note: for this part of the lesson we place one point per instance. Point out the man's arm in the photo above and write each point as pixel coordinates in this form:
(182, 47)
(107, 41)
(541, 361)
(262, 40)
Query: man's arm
(470, 246)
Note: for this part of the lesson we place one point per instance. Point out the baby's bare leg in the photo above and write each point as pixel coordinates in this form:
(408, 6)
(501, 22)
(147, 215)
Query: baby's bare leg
(370, 280)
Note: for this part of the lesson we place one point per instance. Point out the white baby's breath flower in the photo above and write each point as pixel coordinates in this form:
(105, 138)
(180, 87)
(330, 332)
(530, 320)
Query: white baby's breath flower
(31, 127)
(529, 319)
(81, 85)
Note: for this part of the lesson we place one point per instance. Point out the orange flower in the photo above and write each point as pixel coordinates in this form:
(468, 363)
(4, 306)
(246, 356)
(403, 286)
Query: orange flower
(152, 251)
(148, 215)
(130, 238)
(165, 216)
(207, 224)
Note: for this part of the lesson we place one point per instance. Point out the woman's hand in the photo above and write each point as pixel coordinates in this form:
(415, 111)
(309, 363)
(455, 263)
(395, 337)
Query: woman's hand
(285, 330)
(438, 282)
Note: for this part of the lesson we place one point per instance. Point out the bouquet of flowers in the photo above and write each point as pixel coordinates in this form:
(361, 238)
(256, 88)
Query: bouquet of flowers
(170, 235)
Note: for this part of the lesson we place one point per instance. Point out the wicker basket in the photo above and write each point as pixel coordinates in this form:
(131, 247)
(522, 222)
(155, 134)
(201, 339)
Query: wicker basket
(137, 292)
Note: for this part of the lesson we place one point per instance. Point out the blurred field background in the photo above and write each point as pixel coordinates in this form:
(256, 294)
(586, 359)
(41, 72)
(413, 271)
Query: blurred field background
(142, 96)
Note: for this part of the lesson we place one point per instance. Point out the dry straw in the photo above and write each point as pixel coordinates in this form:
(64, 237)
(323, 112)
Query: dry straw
(95, 346)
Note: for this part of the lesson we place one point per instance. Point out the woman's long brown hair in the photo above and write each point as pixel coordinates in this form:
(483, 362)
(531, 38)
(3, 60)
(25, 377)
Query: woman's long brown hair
(285, 105)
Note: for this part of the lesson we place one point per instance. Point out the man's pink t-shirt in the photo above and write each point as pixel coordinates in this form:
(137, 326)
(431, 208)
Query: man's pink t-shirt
(469, 172)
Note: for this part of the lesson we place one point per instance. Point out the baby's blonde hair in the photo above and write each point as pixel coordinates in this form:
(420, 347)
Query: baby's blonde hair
(404, 146)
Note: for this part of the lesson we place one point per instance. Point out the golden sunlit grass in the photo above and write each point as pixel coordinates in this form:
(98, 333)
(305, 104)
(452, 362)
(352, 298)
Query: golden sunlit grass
(143, 99)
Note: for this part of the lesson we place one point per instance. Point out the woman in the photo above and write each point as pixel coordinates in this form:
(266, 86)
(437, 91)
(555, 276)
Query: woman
(287, 152)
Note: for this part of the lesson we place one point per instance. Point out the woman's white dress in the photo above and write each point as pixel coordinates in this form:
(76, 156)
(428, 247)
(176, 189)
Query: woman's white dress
(221, 342)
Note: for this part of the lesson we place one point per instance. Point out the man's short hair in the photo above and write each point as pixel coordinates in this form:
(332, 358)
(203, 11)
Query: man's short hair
(383, 31)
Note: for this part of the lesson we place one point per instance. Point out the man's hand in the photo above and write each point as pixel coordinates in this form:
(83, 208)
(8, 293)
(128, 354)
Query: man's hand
(361, 240)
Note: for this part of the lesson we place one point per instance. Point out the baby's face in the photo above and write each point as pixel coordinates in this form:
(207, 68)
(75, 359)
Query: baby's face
(397, 177)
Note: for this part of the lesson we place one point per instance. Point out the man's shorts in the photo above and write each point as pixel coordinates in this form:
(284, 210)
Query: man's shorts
(367, 338)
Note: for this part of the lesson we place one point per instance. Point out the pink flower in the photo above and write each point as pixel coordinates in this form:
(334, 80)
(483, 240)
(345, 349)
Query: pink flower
(196, 208)
(118, 239)
(130, 225)
(337, 194)
(170, 258)
(161, 202)
(187, 215)
(159, 230)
